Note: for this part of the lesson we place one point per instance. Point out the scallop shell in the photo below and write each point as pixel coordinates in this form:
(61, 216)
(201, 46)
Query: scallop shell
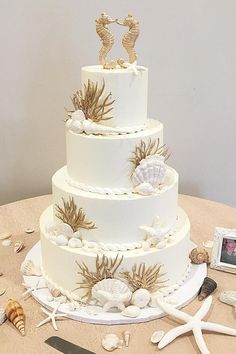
(140, 298)
(208, 286)
(75, 243)
(29, 268)
(111, 342)
(113, 287)
(131, 311)
(151, 170)
(228, 297)
(144, 189)
(5, 235)
(15, 314)
(3, 316)
(157, 336)
(19, 245)
(61, 240)
(199, 255)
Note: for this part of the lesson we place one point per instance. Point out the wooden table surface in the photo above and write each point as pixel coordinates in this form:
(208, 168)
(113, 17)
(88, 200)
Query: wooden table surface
(16, 217)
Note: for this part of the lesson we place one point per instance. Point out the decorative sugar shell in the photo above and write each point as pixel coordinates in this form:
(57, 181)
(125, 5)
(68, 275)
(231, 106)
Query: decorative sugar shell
(5, 235)
(61, 240)
(19, 246)
(131, 311)
(111, 342)
(29, 268)
(228, 297)
(7, 242)
(141, 298)
(75, 243)
(15, 315)
(65, 229)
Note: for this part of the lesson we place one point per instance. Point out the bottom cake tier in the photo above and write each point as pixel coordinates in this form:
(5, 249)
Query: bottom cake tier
(75, 271)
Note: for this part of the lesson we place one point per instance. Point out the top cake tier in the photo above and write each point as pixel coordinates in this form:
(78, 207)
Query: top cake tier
(128, 88)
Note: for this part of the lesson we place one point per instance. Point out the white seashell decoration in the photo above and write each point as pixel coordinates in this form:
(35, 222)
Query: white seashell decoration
(77, 234)
(53, 291)
(5, 235)
(2, 292)
(111, 293)
(144, 189)
(29, 268)
(3, 316)
(141, 298)
(126, 336)
(75, 243)
(131, 311)
(111, 342)
(151, 170)
(153, 300)
(7, 242)
(157, 336)
(29, 230)
(19, 245)
(228, 297)
(65, 230)
(62, 240)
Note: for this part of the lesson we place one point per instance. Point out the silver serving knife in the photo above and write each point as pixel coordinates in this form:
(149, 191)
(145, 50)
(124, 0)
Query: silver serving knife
(66, 347)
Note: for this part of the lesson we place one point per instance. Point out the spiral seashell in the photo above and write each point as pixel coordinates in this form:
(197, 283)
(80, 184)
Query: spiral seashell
(29, 268)
(151, 170)
(3, 316)
(208, 286)
(199, 255)
(15, 315)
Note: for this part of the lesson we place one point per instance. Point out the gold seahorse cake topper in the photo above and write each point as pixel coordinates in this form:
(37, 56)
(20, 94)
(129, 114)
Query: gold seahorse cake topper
(107, 39)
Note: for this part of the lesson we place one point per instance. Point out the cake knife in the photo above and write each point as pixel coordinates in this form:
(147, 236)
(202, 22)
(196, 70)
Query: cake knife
(66, 347)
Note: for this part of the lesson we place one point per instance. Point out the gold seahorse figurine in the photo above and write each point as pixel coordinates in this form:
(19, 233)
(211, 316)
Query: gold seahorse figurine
(130, 37)
(105, 35)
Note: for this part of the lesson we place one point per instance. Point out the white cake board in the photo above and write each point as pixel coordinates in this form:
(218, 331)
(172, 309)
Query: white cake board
(185, 294)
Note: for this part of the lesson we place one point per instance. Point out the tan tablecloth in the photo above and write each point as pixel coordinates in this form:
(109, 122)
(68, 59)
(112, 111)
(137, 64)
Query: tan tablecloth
(16, 217)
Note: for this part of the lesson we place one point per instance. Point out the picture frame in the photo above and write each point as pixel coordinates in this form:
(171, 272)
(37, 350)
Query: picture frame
(223, 255)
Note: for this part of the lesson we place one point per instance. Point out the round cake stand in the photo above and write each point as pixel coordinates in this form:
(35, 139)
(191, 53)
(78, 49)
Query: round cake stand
(94, 314)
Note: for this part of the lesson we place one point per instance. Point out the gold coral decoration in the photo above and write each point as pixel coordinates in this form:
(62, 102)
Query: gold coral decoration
(73, 216)
(105, 35)
(130, 37)
(143, 277)
(144, 150)
(105, 269)
(91, 103)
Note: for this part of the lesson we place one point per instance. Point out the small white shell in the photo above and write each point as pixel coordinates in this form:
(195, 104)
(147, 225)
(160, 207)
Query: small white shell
(61, 240)
(29, 230)
(126, 336)
(131, 311)
(3, 316)
(208, 244)
(157, 336)
(50, 298)
(144, 189)
(77, 234)
(151, 170)
(154, 297)
(2, 292)
(111, 288)
(228, 297)
(65, 230)
(141, 298)
(75, 243)
(111, 342)
(19, 245)
(7, 242)
(28, 268)
(145, 245)
(5, 235)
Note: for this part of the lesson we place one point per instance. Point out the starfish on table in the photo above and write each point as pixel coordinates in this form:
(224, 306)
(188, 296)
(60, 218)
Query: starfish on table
(52, 316)
(31, 289)
(193, 323)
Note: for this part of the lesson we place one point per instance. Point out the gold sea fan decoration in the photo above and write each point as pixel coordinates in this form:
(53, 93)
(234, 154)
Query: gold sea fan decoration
(71, 215)
(90, 101)
(143, 277)
(105, 269)
(144, 150)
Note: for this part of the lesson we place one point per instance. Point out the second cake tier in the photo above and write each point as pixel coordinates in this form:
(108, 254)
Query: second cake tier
(121, 220)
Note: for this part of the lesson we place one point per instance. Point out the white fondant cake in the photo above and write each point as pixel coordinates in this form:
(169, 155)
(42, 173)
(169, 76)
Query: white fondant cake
(115, 212)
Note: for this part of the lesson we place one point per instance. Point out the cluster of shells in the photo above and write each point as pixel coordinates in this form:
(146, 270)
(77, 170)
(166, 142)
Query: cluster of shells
(148, 175)
(62, 234)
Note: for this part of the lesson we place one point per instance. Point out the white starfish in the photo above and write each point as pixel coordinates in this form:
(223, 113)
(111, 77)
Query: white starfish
(156, 232)
(52, 316)
(193, 323)
(31, 289)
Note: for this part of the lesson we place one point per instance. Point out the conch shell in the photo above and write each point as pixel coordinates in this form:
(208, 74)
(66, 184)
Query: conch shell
(199, 255)
(15, 315)
(208, 286)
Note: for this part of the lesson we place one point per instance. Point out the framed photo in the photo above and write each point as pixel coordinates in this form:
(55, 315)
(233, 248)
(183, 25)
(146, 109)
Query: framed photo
(223, 255)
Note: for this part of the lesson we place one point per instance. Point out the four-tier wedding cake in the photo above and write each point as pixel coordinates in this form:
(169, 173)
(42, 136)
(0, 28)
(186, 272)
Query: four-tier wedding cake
(115, 235)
